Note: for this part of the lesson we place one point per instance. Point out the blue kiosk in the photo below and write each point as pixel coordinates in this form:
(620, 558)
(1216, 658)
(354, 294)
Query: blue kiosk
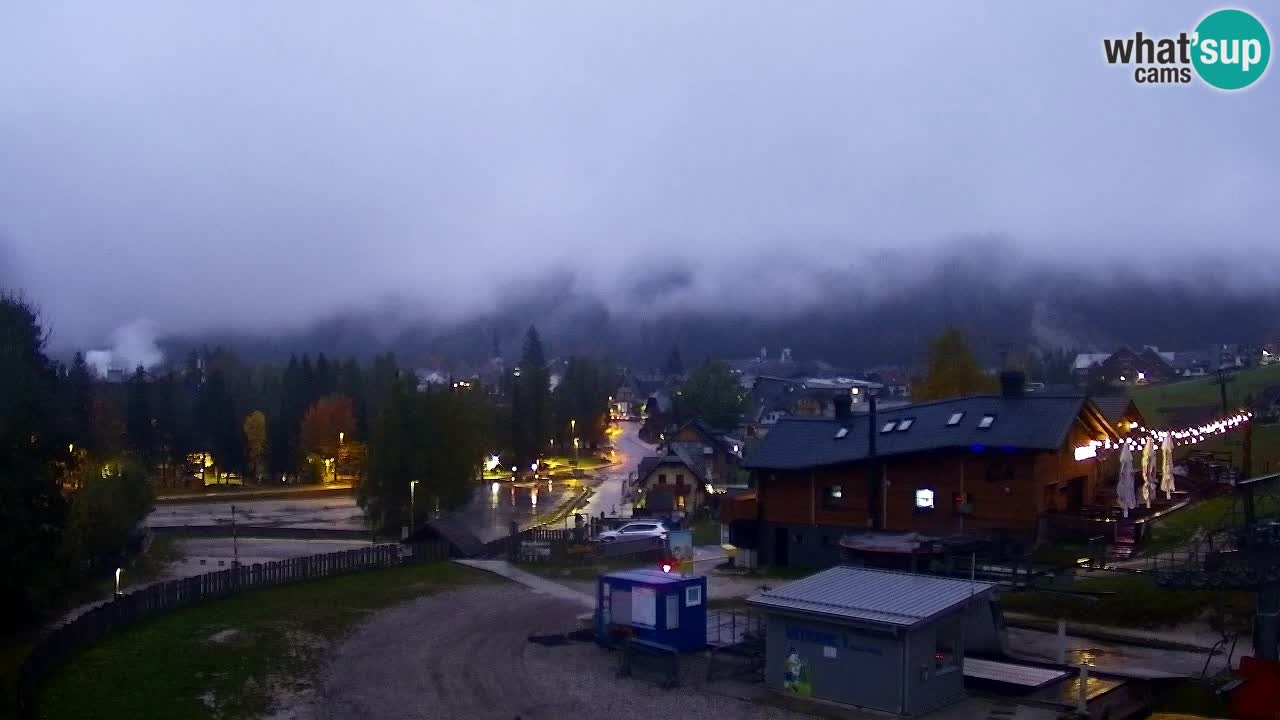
(654, 607)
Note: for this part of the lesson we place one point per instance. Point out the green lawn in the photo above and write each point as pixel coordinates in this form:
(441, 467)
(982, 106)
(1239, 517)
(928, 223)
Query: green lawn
(584, 571)
(1151, 399)
(706, 532)
(1135, 602)
(1175, 529)
(143, 570)
(1204, 391)
(222, 660)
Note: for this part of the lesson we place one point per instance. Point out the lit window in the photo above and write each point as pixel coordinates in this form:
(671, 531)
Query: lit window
(679, 502)
(986, 421)
(924, 499)
(837, 491)
(905, 424)
(853, 391)
(955, 418)
(842, 432)
(889, 426)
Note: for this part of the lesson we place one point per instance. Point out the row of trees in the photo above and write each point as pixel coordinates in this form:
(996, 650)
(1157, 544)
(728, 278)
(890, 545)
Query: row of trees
(533, 420)
(80, 457)
(52, 539)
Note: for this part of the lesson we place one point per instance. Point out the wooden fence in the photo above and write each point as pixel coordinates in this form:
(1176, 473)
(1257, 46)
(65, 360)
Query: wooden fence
(138, 605)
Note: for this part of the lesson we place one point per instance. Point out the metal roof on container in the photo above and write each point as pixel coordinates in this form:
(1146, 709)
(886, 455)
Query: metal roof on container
(649, 577)
(877, 596)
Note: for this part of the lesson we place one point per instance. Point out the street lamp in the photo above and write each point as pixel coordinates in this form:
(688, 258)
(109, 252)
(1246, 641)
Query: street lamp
(413, 485)
(118, 571)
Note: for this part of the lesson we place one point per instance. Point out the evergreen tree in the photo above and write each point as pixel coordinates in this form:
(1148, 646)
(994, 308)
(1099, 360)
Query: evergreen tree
(531, 403)
(583, 397)
(674, 366)
(384, 495)
(326, 379)
(310, 389)
(32, 510)
(220, 425)
(140, 424)
(79, 390)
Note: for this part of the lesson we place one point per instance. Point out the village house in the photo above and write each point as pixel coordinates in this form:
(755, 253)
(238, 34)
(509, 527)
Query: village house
(1126, 367)
(715, 454)
(978, 464)
(668, 483)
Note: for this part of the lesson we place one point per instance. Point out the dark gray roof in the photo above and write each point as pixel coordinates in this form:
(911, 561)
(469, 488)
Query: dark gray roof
(1028, 422)
(647, 464)
(877, 596)
(651, 463)
(1112, 407)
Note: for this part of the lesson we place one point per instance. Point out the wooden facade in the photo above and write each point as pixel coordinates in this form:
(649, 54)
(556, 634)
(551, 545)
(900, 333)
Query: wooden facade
(970, 488)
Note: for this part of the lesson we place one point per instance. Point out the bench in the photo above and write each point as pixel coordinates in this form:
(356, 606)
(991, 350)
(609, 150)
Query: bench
(662, 659)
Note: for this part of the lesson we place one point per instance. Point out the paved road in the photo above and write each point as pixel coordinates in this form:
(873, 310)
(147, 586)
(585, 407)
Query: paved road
(492, 509)
(628, 450)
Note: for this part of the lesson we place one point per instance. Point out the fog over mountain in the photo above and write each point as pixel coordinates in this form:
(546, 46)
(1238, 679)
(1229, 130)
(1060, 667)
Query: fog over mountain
(291, 175)
(855, 316)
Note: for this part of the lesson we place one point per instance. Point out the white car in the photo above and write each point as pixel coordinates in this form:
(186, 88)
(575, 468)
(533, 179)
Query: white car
(634, 530)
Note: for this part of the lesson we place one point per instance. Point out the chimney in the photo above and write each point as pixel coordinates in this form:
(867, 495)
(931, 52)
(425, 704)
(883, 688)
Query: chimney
(1013, 383)
(843, 405)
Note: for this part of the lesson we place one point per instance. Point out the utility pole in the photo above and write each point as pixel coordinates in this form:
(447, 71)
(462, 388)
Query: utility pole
(874, 501)
(1222, 389)
(235, 546)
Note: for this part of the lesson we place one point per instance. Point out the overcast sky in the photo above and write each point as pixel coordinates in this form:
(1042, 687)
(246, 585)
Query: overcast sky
(254, 164)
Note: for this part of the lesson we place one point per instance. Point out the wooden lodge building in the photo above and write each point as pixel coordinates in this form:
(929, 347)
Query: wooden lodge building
(978, 466)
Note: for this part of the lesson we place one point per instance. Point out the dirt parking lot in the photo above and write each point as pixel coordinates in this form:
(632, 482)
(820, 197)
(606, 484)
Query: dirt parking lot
(465, 654)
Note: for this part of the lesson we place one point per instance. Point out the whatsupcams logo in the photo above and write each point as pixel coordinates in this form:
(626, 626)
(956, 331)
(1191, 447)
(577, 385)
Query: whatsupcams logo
(1229, 50)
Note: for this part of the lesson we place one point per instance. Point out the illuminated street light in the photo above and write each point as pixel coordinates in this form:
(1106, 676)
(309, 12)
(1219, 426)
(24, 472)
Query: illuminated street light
(413, 486)
(118, 571)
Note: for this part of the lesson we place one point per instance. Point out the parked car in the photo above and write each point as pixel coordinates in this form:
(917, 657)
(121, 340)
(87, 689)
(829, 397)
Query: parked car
(635, 530)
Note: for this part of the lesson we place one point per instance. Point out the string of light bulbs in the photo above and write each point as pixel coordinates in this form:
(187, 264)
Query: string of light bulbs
(1190, 435)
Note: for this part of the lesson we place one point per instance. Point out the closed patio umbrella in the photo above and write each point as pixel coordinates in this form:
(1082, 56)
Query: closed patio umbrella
(1166, 467)
(1148, 471)
(1124, 486)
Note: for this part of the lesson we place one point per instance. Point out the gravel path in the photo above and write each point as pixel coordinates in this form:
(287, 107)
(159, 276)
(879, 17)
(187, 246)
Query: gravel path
(465, 654)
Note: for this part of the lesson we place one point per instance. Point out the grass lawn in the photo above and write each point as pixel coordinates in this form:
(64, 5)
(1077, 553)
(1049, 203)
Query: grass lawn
(1176, 529)
(706, 532)
(145, 569)
(1204, 391)
(584, 571)
(224, 659)
(1194, 697)
(1136, 603)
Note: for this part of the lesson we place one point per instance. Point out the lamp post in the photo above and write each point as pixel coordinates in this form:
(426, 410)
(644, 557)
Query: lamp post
(413, 486)
(118, 571)
(573, 430)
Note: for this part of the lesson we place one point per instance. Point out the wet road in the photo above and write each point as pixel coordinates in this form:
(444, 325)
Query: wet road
(628, 450)
(492, 509)
(489, 514)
